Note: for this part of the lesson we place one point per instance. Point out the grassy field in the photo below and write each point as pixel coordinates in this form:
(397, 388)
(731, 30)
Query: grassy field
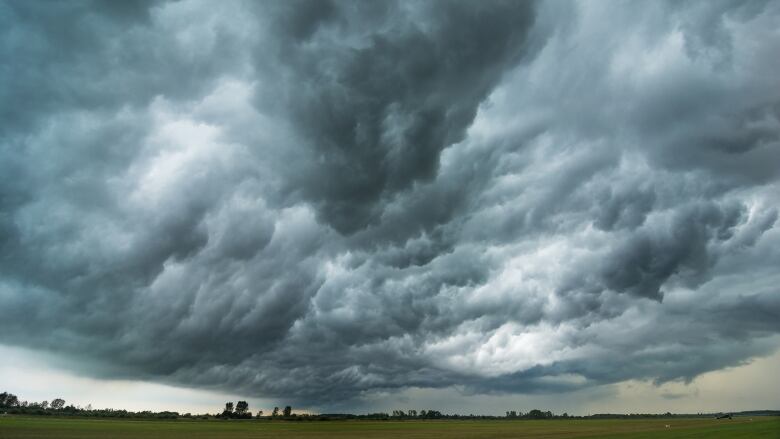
(46, 427)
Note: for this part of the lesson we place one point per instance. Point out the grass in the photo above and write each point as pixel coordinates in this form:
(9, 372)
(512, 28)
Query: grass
(12, 427)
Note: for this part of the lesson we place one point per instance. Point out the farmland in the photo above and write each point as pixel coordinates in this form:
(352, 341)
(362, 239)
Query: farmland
(12, 427)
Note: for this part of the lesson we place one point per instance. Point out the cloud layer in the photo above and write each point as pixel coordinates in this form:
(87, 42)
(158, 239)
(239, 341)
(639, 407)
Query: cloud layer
(321, 200)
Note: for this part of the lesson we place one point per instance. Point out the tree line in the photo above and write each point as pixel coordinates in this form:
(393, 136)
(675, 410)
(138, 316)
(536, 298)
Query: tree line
(9, 400)
(241, 411)
(10, 404)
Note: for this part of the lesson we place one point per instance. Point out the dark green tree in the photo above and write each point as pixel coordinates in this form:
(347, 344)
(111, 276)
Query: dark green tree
(538, 414)
(287, 411)
(242, 408)
(8, 400)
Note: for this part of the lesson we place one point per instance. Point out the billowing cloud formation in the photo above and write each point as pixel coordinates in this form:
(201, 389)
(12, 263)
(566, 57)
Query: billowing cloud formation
(320, 200)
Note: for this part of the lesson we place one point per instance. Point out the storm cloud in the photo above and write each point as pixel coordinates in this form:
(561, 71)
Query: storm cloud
(323, 200)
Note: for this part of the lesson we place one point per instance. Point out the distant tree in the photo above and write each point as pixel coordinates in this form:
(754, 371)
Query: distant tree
(228, 412)
(276, 412)
(259, 413)
(57, 403)
(412, 413)
(430, 414)
(242, 407)
(287, 411)
(8, 400)
(44, 404)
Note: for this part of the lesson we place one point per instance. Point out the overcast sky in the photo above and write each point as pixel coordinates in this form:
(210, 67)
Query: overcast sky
(349, 205)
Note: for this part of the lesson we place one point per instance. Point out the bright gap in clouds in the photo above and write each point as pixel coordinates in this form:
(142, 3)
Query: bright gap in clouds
(33, 376)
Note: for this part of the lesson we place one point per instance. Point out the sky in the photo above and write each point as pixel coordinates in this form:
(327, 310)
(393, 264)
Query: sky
(357, 206)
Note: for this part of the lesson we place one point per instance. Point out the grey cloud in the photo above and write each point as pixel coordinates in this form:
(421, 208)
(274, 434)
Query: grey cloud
(647, 260)
(320, 201)
(624, 207)
(379, 104)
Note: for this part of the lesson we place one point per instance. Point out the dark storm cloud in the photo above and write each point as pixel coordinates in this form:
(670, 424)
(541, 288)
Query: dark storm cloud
(379, 90)
(321, 200)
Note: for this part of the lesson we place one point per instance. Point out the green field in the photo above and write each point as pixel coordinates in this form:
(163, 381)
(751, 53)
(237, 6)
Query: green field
(46, 427)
